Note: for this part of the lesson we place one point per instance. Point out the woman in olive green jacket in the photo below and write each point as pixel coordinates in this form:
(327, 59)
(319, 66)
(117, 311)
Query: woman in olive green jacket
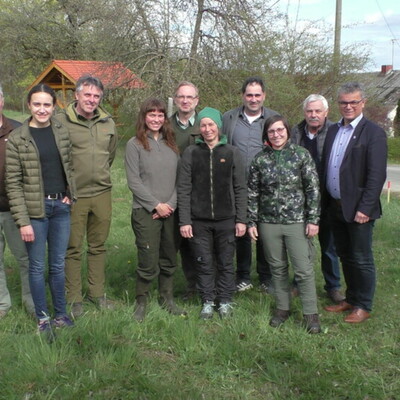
(40, 187)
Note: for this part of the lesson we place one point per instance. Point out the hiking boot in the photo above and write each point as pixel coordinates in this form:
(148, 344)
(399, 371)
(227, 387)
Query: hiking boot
(103, 303)
(335, 295)
(45, 330)
(207, 310)
(280, 316)
(166, 299)
(140, 308)
(311, 323)
(225, 310)
(266, 287)
(3, 313)
(62, 322)
(168, 303)
(76, 310)
(243, 286)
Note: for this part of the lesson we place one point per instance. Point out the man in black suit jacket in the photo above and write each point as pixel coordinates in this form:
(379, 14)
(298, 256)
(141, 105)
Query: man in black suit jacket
(354, 165)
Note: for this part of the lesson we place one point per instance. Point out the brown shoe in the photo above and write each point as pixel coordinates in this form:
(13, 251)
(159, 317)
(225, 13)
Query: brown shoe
(76, 310)
(103, 303)
(336, 296)
(357, 315)
(342, 306)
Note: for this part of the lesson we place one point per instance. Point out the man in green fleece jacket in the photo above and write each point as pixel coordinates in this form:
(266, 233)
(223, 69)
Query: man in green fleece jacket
(94, 141)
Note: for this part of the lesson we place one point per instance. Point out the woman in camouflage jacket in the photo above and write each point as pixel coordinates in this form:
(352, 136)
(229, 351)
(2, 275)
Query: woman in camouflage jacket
(283, 208)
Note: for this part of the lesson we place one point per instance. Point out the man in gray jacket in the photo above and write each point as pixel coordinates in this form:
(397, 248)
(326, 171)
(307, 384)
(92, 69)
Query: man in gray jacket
(243, 127)
(310, 133)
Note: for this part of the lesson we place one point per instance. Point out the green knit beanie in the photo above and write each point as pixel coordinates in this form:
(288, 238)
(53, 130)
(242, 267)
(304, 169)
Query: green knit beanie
(211, 113)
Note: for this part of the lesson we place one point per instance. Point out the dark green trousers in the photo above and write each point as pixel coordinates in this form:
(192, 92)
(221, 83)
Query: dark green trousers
(156, 244)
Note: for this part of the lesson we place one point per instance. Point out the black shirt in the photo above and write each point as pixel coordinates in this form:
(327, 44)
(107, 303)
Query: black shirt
(52, 171)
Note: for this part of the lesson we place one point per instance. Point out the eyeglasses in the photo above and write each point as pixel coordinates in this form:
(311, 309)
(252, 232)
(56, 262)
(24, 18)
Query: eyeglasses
(278, 131)
(190, 98)
(353, 103)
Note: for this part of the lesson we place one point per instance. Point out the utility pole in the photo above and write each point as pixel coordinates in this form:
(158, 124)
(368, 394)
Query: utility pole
(336, 46)
(393, 41)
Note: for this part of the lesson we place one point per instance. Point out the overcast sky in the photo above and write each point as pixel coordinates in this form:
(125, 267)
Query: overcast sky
(375, 22)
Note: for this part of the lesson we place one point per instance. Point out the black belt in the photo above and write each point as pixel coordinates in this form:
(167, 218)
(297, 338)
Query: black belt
(54, 196)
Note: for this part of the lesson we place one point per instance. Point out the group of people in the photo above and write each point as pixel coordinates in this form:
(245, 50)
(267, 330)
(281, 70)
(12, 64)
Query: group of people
(227, 180)
(204, 184)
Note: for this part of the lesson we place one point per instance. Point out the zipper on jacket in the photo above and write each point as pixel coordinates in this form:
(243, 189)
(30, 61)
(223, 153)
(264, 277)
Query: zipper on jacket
(211, 185)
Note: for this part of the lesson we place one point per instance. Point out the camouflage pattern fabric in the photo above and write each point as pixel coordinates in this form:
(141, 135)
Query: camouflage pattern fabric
(283, 187)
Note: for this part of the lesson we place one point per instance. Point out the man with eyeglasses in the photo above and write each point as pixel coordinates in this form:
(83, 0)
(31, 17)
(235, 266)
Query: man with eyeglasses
(311, 133)
(183, 123)
(243, 127)
(354, 172)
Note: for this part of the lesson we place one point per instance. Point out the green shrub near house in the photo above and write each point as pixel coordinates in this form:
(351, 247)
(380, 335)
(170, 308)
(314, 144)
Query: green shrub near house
(394, 150)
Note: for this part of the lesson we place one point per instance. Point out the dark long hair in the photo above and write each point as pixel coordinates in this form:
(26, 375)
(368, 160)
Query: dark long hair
(151, 105)
(42, 87)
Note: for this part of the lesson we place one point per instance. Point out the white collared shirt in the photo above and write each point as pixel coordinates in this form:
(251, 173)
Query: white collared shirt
(191, 121)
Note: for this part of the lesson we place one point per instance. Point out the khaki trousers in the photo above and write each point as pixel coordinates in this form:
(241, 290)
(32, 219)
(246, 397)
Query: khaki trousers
(90, 217)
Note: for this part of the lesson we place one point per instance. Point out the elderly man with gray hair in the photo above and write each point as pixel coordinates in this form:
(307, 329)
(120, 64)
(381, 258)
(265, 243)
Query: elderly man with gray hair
(310, 133)
(8, 230)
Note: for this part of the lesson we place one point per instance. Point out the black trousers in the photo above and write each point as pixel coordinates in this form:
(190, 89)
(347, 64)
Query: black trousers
(354, 247)
(244, 261)
(214, 240)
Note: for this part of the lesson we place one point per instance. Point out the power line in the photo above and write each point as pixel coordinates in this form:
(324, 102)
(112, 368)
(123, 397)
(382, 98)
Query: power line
(394, 38)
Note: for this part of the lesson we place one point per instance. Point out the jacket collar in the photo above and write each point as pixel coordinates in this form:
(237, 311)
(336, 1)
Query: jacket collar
(222, 140)
(74, 117)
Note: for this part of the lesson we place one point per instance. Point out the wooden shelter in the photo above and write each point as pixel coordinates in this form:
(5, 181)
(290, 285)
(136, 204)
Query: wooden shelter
(62, 75)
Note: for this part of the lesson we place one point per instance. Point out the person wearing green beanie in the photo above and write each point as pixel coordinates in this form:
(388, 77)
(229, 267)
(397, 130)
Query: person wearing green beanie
(212, 113)
(212, 204)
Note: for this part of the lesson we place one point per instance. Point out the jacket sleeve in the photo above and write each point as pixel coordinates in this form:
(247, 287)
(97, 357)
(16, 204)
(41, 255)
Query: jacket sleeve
(239, 187)
(14, 185)
(135, 183)
(310, 182)
(253, 193)
(185, 187)
(173, 200)
(112, 148)
(376, 161)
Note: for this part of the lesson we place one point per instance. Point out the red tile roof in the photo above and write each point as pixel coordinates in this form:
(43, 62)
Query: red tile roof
(112, 74)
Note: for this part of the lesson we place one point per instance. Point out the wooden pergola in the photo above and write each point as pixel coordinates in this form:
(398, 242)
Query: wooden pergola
(62, 75)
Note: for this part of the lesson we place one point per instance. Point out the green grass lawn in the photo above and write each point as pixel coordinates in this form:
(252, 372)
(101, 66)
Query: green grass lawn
(107, 355)
(19, 116)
